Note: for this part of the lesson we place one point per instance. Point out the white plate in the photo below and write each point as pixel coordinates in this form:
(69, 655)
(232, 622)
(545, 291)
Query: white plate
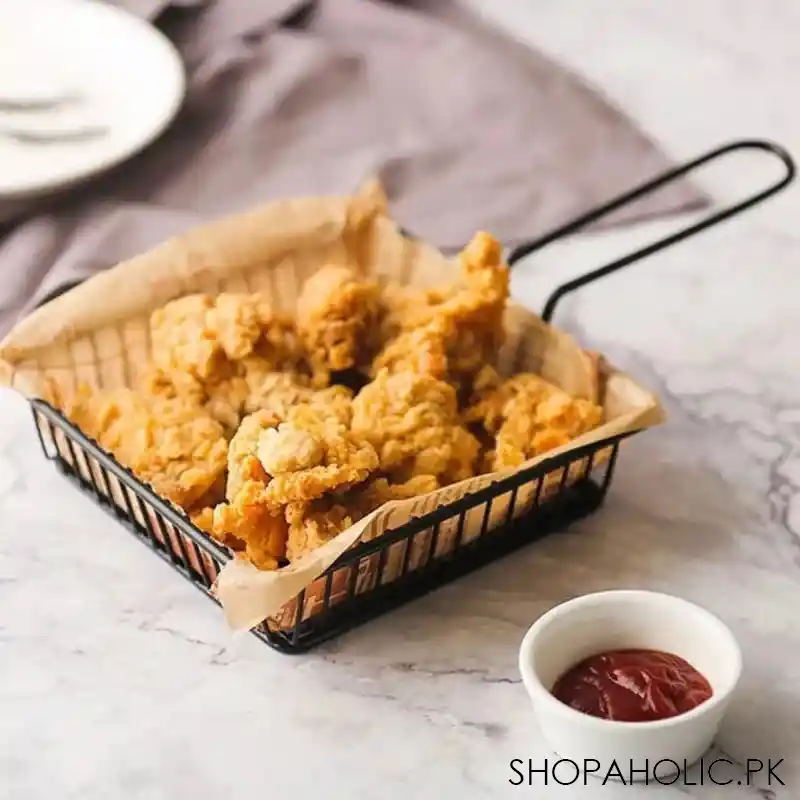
(130, 75)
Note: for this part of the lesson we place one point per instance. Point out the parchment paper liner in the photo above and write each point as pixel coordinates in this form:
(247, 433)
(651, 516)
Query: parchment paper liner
(98, 333)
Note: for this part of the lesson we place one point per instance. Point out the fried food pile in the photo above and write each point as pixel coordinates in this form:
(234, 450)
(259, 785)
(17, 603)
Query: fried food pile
(276, 432)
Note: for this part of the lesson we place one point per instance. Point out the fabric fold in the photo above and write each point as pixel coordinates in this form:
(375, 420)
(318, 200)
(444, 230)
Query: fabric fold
(466, 128)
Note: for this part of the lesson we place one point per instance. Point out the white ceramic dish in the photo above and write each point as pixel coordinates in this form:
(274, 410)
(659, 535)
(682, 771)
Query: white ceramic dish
(595, 623)
(129, 75)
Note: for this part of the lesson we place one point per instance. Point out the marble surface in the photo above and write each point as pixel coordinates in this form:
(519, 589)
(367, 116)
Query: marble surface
(119, 680)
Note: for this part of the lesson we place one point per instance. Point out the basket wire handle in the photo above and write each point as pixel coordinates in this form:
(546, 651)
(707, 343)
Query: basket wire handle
(577, 224)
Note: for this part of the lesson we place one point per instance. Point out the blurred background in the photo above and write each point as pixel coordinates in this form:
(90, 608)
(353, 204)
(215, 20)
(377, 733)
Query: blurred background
(123, 123)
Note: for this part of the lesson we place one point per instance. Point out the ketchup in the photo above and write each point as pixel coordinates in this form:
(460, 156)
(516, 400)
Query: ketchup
(633, 686)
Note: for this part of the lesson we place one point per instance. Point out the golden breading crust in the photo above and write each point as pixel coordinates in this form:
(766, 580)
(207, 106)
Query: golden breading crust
(312, 454)
(203, 519)
(371, 495)
(527, 416)
(451, 333)
(194, 335)
(170, 443)
(337, 318)
(243, 463)
(422, 350)
(412, 422)
(313, 524)
(246, 519)
(222, 350)
(275, 466)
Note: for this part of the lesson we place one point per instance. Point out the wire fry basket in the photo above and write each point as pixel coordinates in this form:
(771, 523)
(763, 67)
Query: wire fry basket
(431, 550)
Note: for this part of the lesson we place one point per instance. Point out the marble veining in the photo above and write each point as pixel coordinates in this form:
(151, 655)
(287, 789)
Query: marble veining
(119, 680)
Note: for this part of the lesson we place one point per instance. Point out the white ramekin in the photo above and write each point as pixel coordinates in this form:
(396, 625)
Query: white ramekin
(595, 623)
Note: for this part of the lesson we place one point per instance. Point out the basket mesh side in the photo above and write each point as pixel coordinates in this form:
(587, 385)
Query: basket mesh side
(429, 552)
(375, 576)
(113, 488)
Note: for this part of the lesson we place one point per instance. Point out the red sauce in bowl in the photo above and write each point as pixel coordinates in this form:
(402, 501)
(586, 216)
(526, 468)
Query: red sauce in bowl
(633, 686)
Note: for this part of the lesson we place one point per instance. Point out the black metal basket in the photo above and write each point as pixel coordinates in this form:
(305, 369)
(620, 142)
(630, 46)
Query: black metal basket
(428, 551)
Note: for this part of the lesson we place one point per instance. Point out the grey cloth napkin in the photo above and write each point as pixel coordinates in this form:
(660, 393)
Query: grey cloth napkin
(466, 128)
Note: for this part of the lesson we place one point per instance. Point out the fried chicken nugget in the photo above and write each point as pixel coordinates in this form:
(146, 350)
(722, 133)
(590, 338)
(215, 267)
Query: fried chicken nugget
(312, 460)
(182, 341)
(168, 442)
(218, 350)
(190, 335)
(243, 463)
(262, 532)
(318, 408)
(273, 463)
(337, 318)
(375, 493)
(279, 347)
(334, 403)
(203, 519)
(196, 338)
(422, 350)
(451, 333)
(405, 308)
(528, 416)
(310, 454)
(486, 280)
(313, 524)
(256, 387)
(244, 522)
(157, 383)
(412, 422)
(280, 392)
